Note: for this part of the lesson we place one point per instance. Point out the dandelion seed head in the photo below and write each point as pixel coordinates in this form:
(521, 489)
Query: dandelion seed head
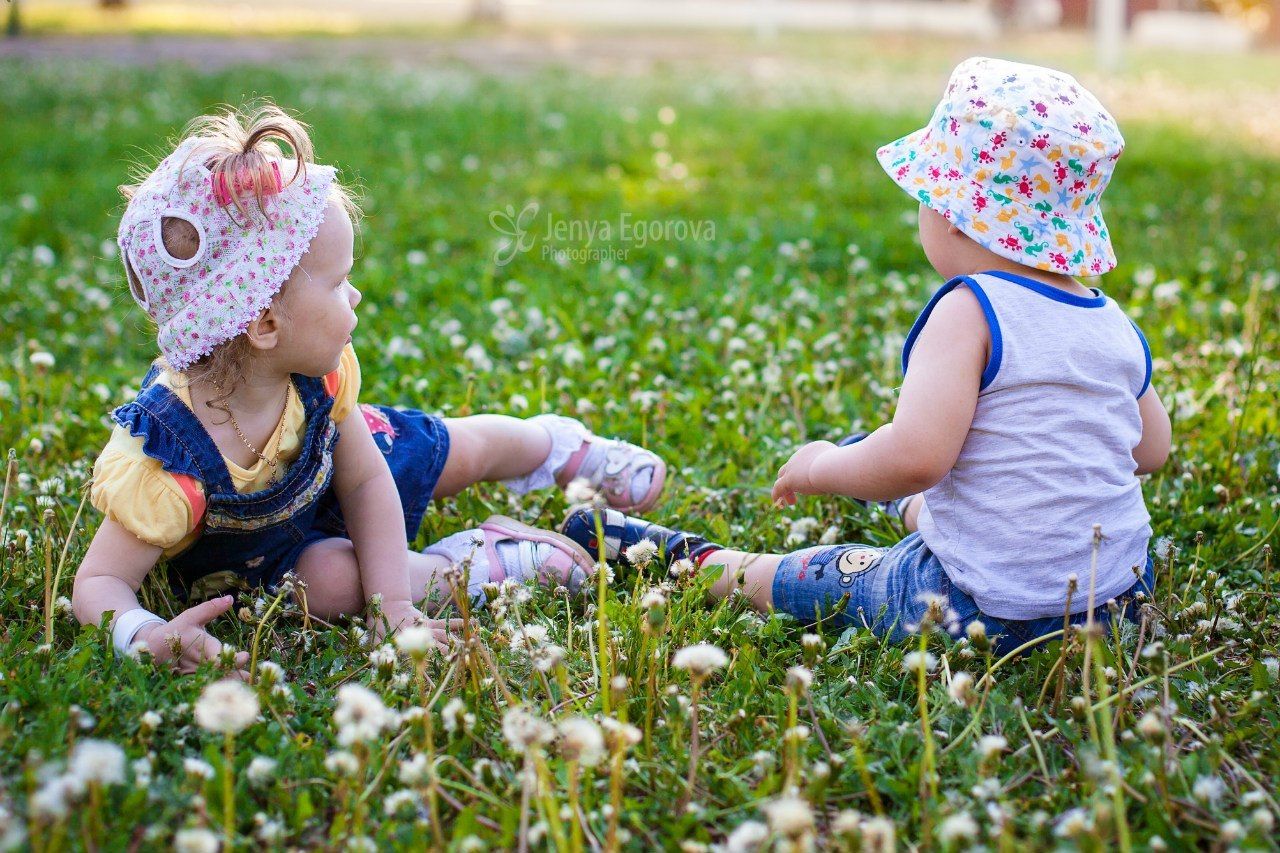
(641, 553)
(195, 840)
(581, 740)
(989, 746)
(226, 707)
(748, 837)
(957, 827)
(700, 660)
(790, 817)
(97, 761)
(915, 662)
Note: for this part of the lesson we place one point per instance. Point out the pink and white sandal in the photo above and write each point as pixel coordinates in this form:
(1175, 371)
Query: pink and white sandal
(617, 468)
(554, 559)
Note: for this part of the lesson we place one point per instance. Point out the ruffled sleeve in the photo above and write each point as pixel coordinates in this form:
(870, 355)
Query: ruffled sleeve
(133, 490)
(348, 393)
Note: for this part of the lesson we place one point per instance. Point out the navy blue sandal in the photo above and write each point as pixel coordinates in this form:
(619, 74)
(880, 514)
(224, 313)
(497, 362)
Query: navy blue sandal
(621, 531)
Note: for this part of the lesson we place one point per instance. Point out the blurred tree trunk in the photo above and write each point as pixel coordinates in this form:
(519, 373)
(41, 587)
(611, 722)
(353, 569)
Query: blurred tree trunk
(486, 11)
(14, 26)
(1272, 35)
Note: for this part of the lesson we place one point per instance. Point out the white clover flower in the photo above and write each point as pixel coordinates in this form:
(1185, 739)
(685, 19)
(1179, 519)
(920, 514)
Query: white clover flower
(141, 771)
(748, 837)
(961, 689)
(342, 763)
(957, 827)
(261, 769)
(360, 715)
(270, 673)
(581, 741)
(548, 657)
(683, 568)
(914, 662)
(580, 491)
(1264, 820)
(641, 553)
(700, 659)
(456, 716)
(653, 599)
(97, 761)
(195, 840)
(847, 823)
(1073, 823)
(397, 800)
(989, 746)
(413, 770)
(227, 707)
(269, 831)
(524, 731)
(383, 658)
(878, 834)
(1151, 726)
(799, 678)
(529, 637)
(52, 800)
(802, 530)
(621, 735)
(42, 360)
(1208, 789)
(197, 768)
(415, 641)
(790, 817)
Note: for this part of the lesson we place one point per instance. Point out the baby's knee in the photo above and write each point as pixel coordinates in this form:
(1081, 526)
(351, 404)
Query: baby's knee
(332, 577)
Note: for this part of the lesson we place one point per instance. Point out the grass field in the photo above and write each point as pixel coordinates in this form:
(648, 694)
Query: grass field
(722, 351)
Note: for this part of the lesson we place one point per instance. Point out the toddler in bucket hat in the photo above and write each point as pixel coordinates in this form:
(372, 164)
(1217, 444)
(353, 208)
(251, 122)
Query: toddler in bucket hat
(1026, 413)
(1017, 157)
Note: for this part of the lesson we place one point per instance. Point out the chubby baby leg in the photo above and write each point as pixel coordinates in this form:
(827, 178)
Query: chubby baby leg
(332, 575)
(548, 450)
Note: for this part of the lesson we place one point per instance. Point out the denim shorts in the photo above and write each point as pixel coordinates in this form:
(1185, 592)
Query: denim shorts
(888, 590)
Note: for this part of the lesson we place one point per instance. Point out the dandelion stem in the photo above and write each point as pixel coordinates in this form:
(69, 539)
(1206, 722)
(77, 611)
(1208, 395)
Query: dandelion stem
(602, 622)
(257, 636)
(229, 790)
(11, 471)
(694, 743)
(572, 770)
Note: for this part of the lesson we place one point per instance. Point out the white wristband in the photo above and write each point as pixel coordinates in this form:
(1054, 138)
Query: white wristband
(128, 624)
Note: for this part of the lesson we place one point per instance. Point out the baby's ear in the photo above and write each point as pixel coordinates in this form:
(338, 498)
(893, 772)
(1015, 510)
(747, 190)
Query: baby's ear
(264, 331)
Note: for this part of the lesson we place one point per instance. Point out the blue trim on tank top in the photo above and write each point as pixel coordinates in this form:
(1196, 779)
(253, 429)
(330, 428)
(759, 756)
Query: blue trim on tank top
(1146, 352)
(997, 341)
(1098, 300)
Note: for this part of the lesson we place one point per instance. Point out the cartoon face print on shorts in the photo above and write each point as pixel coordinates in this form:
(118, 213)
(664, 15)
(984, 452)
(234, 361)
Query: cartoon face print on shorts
(848, 562)
(384, 434)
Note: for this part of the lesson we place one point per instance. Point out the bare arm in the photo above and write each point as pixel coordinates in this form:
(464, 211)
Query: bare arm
(111, 573)
(374, 516)
(108, 579)
(935, 410)
(1157, 433)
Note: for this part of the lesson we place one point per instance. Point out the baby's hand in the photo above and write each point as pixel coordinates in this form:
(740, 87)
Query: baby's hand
(793, 477)
(184, 643)
(399, 615)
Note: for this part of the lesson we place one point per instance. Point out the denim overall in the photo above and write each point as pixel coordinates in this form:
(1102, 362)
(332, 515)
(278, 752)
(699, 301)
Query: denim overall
(253, 539)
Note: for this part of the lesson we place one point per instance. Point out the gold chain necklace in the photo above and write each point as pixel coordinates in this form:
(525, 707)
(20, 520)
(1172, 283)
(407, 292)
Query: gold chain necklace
(272, 462)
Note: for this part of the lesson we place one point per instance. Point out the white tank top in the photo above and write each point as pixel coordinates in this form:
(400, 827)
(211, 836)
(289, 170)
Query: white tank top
(1049, 454)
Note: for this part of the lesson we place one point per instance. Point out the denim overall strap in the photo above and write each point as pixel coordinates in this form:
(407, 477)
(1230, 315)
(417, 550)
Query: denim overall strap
(253, 538)
(172, 434)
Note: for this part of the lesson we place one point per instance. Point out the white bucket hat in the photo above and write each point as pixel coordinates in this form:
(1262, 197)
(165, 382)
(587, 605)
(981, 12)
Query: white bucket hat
(1016, 156)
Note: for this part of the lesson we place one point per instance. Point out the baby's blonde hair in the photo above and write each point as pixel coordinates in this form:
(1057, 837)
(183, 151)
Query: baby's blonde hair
(237, 147)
